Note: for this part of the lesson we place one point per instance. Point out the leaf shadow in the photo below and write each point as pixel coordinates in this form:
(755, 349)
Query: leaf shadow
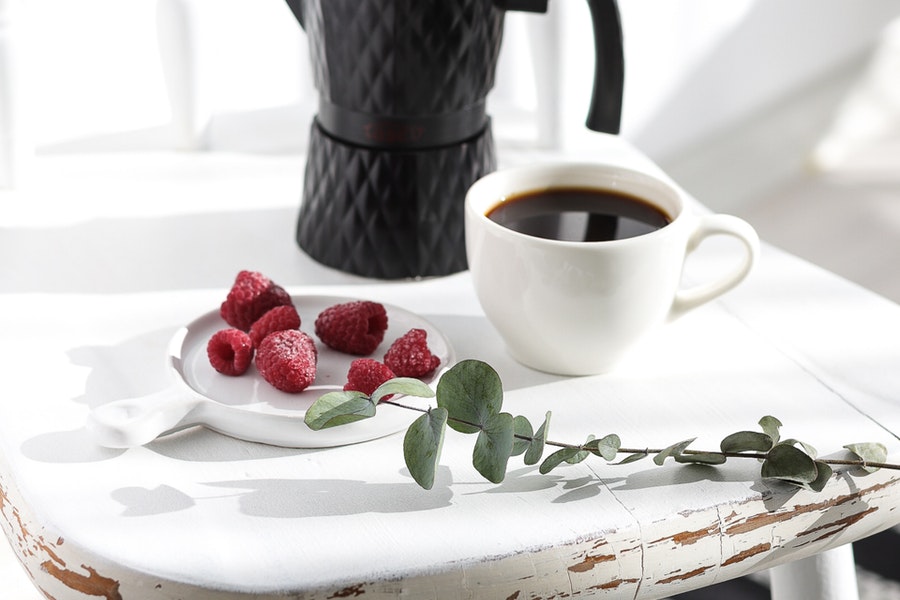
(140, 501)
(304, 498)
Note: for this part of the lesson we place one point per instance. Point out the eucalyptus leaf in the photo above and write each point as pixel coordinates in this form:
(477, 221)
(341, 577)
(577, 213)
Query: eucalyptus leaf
(788, 463)
(673, 450)
(522, 429)
(869, 452)
(493, 447)
(581, 454)
(823, 474)
(407, 386)
(536, 448)
(471, 392)
(747, 441)
(606, 447)
(634, 457)
(338, 408)
(701, 458)
(557, 458)
(771, 426)
(422, 445)
(808, 448)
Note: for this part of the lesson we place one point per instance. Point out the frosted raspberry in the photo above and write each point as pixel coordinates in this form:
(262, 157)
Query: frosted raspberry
(409, 355)
(277, 319)
(287, 360)
(230, 351)
(353, 327)
(366, 374)
(252, 295)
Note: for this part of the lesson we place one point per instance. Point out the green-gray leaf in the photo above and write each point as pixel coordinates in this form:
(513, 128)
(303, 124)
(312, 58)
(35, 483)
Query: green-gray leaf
(771, 426)
(747, 441)
(581, 454)
(338, 408)
(471, 392)
(823, 474)
(634, 457)
(536, 448)
(522, 429)
(407, 386)
(422, 446)
(808, 448)
(606, 447)
(701, 458)
(869, 452)
(787, 463)
(493, 447)
(673, 450)
(556, 459)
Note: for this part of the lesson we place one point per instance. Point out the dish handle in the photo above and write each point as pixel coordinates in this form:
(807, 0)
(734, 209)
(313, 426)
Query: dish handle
(137, 421)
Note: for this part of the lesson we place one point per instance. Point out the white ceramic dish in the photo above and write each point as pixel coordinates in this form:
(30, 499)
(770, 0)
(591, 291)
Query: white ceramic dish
(247, 407)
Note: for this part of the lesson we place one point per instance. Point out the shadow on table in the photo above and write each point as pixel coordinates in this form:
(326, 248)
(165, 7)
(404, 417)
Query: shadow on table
(301, 498)
(293, 498)
(201, 251)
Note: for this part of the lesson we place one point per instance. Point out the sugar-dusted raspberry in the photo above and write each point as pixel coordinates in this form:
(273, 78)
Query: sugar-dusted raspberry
(252, 295)
(277, 319)
(353, 327)
(287, 360)
(230, 351)
(409, 355)
(366, 374)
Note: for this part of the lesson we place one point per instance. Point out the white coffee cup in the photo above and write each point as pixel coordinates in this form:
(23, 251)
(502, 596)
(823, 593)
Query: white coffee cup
(576, 307)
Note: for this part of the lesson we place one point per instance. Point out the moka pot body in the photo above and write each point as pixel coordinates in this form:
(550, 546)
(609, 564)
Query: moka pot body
(401, 132)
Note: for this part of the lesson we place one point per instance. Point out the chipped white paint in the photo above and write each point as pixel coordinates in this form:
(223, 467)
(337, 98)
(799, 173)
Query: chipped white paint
(89, 302)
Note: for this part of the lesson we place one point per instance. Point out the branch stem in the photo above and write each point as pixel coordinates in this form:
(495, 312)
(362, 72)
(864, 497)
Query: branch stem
(757, 455)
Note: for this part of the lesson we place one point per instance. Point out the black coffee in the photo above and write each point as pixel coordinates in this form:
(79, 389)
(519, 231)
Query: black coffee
(578, 215)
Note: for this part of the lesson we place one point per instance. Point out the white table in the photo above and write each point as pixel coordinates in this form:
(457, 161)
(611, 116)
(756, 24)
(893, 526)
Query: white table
(105, 257)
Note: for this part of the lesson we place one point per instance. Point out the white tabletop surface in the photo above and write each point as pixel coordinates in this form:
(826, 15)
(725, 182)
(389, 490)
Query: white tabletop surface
(105, 257)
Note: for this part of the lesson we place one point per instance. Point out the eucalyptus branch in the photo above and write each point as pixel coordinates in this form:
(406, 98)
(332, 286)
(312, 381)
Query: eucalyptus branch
(469, 400)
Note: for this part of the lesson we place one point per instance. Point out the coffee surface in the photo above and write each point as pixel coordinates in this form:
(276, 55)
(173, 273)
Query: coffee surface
(578, 214)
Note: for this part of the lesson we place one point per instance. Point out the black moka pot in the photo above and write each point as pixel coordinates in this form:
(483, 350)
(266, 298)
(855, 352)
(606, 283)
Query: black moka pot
(401, 132)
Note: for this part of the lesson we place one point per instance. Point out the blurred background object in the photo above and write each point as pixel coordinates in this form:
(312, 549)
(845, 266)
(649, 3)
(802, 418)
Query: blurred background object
(711, 87)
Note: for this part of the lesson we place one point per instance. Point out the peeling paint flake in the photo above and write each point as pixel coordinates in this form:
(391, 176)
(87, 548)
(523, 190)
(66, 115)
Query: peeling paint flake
(766, 519)
(589, 561)
(92, 584)
(615, 583)
(745, 554)
(349, 592)
(838, 525)
(690, 537)
(688, 575)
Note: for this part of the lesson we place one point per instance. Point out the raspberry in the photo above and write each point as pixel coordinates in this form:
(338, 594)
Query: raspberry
(277, 319)
(353, 327)
(230, 351)
(251, 296)
(366, 374)
(287, 360)
(409, 355)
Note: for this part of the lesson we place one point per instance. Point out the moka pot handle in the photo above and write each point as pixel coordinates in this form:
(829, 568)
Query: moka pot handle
(296, 7)
(605, 112)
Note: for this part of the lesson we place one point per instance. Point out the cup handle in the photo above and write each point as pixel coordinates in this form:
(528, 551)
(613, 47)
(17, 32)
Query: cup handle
(709, 225)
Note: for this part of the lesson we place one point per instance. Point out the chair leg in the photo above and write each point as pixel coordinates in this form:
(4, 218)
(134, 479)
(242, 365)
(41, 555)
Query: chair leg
(176, 29)
(544, 37)
(13, 147)
(830, 575)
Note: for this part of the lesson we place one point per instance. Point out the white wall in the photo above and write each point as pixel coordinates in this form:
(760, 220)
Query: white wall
(694, 67)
